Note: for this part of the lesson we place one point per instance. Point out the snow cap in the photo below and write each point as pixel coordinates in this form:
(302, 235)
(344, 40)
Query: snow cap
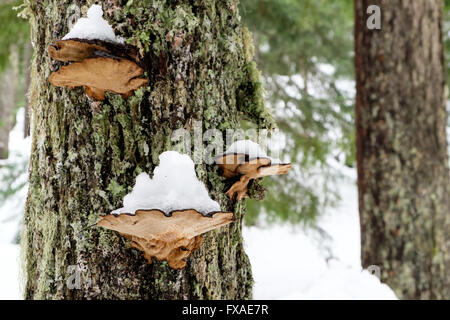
(174, 186)
(93, 27)
(252, 149)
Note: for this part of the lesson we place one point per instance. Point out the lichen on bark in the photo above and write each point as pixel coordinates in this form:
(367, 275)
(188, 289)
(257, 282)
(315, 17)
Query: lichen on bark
(86, 155)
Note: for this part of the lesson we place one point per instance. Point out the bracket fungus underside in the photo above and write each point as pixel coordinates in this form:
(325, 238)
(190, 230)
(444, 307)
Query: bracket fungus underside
(241, 165)
(98, 66)
(171, 238)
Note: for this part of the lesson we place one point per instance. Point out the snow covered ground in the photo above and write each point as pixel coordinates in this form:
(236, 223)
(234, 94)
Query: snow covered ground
(9, 272)
(12, 209)
(288, 262)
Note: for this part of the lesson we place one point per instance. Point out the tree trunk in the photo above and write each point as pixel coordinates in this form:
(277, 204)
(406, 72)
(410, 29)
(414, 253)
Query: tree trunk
(6, 111)
(27, 75)
(8, 94)
(86, 154)
(403, 173)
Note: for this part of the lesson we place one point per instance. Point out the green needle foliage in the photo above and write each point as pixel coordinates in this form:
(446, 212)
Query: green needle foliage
(305, 51)
(13, 32)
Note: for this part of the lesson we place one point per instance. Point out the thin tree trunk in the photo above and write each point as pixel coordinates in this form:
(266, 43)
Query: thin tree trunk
(27, 75)
(6, 111)
(8, 94)
(86, 155)
(403, 173)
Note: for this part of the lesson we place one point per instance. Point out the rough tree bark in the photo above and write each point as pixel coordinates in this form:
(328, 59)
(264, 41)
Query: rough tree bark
(403, 173)
(86, 155)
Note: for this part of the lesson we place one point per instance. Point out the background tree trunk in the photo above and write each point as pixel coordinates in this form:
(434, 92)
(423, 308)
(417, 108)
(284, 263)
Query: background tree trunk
(86, 155)
(403, 174)
(8, 94)
(27, 75)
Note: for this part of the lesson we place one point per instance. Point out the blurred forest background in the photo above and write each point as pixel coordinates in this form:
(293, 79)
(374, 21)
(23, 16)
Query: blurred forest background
(304, 49)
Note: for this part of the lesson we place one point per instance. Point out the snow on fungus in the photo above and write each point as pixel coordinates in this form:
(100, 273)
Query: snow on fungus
(174, 186)
(245, 159)
(101, 61)
(164, 216)
(93, 27)
(248, 147)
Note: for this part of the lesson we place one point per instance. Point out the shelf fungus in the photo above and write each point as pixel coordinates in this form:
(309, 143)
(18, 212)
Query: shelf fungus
(171, 238)
(98, 66)
(164, 216)
(247, 163)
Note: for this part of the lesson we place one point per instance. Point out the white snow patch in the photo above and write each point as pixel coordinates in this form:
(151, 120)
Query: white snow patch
(340, 282)
(12, 209)
(326, 68)
(250, 148)
(291, 263)
(93, 27)
(9, 275)
(174, 187)
(11, 213)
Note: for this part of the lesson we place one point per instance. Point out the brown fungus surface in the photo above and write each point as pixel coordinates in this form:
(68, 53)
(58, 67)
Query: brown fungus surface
(98, 66)
(171, 238)
(240, 165)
